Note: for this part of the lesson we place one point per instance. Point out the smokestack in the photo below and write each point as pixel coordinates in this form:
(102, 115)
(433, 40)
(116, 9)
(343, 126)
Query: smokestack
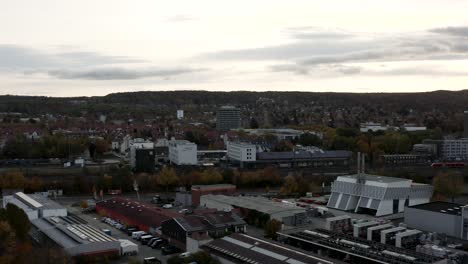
(358, 162)
(363, 167)
(465, 124)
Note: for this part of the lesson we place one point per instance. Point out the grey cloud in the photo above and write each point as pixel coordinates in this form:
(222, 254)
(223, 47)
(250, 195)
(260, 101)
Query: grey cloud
(84, 65)
(454, 31)
(318, 69)
(314, 33)
(310, 47)
(16, 57)
(119, 73)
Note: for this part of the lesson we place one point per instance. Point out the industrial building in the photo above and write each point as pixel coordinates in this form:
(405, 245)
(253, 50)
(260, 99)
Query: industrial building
(186, 231)
(227, 118)
(354, 250)
(376, 195)
(75, 236)
(182, 152)
(287, 213)
(445, 218)
(130, 212)
(35, 205)
(242, 248)
(302, 158)
(198, 190)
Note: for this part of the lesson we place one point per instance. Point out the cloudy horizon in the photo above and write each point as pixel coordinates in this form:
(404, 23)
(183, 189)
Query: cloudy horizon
(89, 48)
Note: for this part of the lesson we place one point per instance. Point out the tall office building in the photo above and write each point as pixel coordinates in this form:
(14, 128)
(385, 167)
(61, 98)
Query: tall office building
(228, 117)
(465, 124)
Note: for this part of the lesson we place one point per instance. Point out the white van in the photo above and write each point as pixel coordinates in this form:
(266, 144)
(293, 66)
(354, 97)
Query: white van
(137, 234)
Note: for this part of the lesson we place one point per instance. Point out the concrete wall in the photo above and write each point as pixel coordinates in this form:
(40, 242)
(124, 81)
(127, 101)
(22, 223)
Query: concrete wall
(433, 221)
(194, 245)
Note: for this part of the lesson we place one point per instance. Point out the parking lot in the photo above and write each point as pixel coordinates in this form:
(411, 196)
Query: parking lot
(143, 250)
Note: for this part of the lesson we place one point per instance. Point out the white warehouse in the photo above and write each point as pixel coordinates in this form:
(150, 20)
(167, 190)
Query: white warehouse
(182, 152)
(241, 152)
(377, 195)
(35, 205)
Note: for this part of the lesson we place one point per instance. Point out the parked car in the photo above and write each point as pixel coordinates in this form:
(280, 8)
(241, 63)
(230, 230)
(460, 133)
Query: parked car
(185, 254)
(151, 241)
(131, 230)
(167, 206)
(169, 250)
(159, 243)
(137, 234)
(151, 260)
(145, 239)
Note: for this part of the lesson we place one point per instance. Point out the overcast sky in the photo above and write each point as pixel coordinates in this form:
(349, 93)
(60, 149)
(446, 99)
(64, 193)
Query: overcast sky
(97, 47)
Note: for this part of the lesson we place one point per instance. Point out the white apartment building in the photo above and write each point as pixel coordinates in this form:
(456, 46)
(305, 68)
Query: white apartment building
(241, 152)
(454, 149)
(183, 152)
(180, 114)
(377, 195)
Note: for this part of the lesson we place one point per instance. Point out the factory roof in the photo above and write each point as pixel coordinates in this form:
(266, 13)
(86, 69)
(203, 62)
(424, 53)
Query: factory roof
(376, 178)
(144, 213)
(367, 223)
(72, 232)
(409, 233)
(440, 207)
(303, 155)
(213, 186)
(208, 221)
(254, 250)
(37, 201)
(259, 204)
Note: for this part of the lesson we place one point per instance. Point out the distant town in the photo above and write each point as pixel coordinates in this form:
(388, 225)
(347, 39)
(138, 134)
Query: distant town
(243, 177)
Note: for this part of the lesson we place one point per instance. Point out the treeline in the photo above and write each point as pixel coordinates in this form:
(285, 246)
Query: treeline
(51, 146)
(168, 178)
(452, 101)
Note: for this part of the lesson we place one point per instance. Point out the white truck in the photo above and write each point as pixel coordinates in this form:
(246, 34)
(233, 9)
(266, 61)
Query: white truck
(128, 248)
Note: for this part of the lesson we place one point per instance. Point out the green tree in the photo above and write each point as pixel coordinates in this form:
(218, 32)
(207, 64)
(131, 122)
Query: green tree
(308, 139)
(271, 229)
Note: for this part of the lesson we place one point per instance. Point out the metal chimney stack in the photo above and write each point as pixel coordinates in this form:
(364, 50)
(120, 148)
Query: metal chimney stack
(359, 163)
(363, 167)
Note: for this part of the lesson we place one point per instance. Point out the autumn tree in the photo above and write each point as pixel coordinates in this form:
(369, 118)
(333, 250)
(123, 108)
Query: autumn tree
(290, 185)
(211, 176)
(18, 220)
(35, 184)
(167, 178)
(271, 228)
(449, 185)
(7, 243)
(12, 180)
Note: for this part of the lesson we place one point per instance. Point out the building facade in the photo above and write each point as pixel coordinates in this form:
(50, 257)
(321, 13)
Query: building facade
(227, 118)
(445, 218)
(241, 152)
(377, 195)
(182, 152)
